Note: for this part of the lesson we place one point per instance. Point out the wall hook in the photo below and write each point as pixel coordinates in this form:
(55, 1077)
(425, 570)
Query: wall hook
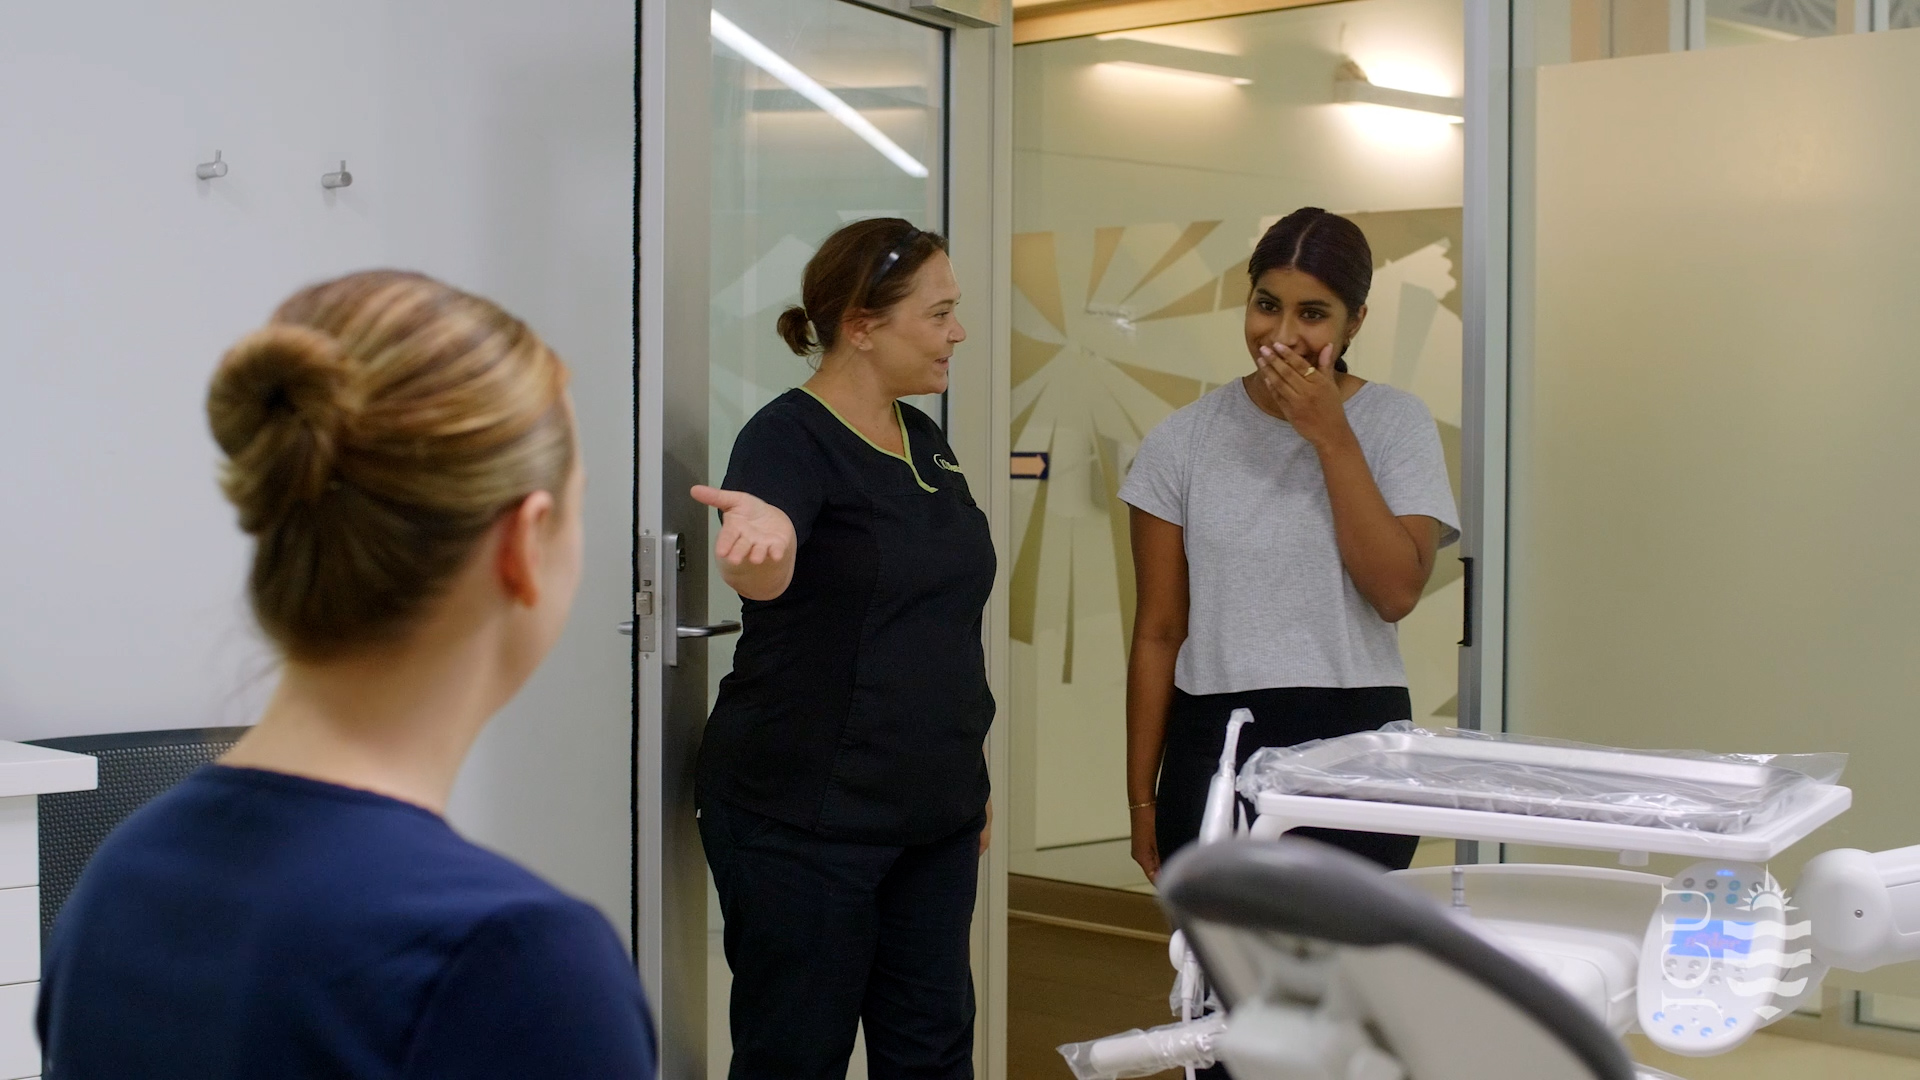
(211, 170)
(340, 179)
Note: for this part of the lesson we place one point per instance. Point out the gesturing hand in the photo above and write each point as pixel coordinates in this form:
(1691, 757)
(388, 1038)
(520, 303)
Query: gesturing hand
(751, 529)
(1308, 392)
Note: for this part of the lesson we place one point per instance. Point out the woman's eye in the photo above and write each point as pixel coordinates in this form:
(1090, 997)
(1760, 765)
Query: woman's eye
(1268, 306)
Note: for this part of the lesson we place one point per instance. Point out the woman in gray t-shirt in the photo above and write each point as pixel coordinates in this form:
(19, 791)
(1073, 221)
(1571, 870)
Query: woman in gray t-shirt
(1282, 525)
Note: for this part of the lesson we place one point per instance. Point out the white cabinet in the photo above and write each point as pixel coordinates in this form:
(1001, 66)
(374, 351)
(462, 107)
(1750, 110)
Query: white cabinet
(26, 773)
(19, 841)
(19, 1049)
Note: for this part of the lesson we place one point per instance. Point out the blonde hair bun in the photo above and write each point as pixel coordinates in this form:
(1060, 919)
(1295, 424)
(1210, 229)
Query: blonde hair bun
(375, 429)
(277, 406)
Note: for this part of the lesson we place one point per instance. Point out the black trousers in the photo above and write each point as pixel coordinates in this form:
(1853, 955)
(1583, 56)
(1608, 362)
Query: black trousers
(1197, 732)
(824, 935)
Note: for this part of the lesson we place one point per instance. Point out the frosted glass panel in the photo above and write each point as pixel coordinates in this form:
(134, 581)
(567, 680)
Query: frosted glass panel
(1146, 165)
(1713, 526)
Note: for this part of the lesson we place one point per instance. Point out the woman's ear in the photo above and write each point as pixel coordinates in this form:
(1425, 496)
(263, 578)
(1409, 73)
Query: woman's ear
(1353, 326)
(522, 547)
(857, 331)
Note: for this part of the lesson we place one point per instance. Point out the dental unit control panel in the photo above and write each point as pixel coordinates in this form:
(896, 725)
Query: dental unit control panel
(1714, 958)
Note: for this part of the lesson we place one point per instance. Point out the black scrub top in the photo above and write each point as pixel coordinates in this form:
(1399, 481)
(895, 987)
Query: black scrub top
(858, 706)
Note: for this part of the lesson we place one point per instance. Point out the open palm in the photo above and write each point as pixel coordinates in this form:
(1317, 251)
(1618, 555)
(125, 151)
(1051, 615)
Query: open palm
(752, 530)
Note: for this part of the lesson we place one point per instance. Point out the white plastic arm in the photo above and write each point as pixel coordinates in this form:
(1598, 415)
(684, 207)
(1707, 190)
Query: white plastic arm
(1269, 827)
(1864, 907)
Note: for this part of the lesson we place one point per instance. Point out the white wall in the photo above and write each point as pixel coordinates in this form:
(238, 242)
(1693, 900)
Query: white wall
(491, 144)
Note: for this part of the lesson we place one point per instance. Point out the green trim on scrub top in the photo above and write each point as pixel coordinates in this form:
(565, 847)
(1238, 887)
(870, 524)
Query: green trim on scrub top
(905, 442)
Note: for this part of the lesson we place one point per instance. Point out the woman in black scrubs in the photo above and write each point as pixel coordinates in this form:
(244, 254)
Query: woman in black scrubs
(843, 780)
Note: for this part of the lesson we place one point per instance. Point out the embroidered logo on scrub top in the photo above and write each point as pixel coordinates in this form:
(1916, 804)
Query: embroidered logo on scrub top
(945, 464)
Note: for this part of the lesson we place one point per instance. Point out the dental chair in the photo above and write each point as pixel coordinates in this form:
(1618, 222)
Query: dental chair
(1328, 970)
(1295, 961)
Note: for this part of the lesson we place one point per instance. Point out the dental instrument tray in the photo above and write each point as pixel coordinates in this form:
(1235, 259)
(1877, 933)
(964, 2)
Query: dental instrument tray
(1630, 799)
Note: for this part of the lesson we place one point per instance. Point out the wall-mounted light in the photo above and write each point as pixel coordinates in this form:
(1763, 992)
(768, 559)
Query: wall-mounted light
(757, 54)
(1128, 54)
(1350, 84)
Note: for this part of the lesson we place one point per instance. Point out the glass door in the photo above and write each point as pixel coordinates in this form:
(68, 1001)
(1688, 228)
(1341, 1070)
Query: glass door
(766, 125)
(823, 113)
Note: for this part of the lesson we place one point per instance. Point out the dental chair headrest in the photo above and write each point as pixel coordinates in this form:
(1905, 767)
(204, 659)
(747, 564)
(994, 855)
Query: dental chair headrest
(1284, 920)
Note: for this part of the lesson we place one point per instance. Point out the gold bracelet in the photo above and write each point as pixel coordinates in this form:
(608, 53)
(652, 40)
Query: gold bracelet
(1141, 805)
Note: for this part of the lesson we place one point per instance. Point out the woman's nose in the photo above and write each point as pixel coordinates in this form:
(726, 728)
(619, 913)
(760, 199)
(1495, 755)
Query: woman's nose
(958, 334)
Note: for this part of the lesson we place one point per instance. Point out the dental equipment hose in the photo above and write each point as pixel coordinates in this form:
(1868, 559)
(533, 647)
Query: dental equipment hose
(1142, 1053)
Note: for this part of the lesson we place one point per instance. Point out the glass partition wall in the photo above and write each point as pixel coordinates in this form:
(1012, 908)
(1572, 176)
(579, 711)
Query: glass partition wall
(1147, 163)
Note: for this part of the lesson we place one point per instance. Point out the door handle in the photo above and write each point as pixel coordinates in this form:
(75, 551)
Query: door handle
(719, 629)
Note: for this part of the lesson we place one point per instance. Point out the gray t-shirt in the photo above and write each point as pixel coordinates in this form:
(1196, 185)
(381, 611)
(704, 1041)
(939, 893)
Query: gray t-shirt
(1270, 604)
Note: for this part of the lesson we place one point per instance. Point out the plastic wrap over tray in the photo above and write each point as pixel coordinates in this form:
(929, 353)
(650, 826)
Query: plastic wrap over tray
(1514, 774)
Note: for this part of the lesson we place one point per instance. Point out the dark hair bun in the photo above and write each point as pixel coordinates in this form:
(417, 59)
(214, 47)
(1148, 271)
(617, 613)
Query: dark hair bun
(277, 406)
(796, 330)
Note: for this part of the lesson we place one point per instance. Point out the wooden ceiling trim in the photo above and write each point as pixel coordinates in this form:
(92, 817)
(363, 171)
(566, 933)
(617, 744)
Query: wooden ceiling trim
(1080, 18)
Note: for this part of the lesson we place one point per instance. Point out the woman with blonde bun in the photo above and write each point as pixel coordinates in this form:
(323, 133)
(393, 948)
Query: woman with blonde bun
(403, 455)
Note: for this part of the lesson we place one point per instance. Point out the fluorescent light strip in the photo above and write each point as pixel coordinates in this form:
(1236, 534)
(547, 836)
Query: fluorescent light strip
(1185, 73)
(777, 66)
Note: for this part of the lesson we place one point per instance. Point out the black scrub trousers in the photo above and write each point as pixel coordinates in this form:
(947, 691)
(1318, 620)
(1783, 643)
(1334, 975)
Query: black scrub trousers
(842, 779)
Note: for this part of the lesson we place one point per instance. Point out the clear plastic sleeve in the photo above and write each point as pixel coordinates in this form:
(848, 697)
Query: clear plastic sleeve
(1514, 774)
(1143, 1053)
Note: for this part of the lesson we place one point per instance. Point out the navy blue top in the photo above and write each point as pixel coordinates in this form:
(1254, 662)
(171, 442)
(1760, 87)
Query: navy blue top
(251, 924)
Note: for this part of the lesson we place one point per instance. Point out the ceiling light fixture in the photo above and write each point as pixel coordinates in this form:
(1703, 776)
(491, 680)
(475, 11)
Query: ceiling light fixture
(1350, 84)
(757, 54)
(1136, 55)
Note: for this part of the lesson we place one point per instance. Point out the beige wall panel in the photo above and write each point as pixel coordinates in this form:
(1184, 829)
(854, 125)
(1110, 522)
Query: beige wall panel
(1715, 520)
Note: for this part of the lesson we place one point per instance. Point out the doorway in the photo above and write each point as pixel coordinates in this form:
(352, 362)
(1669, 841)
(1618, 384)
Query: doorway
(1148, 161)
(765, 126)
(789, 167)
